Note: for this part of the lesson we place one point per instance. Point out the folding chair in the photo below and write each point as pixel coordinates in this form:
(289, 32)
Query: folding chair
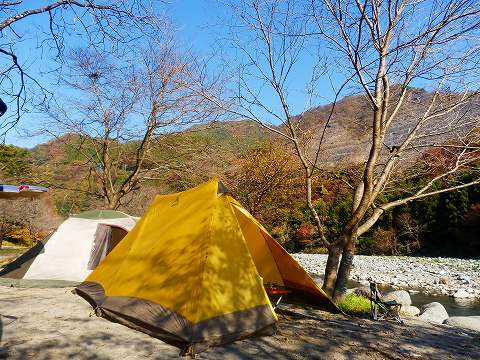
(383, 310)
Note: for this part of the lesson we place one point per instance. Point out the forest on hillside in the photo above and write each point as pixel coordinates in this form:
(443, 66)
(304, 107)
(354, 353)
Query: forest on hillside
(263, 175)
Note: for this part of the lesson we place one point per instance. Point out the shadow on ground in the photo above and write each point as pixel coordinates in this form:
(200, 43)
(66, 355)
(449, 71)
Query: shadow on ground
(319, 335)
(50, 324)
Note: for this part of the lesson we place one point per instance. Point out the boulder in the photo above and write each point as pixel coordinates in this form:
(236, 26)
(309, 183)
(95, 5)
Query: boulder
(465, 302)
(444, 280)
(464, 322)
(363, 291)
(409, 311)
(433, 312)
(462, 294)
(402, 297)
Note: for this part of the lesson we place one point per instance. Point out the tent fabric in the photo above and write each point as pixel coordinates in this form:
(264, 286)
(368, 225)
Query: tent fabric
(13, 192)
(17, 268)
(191, 272)
(102, 214)
(105, 239)
(67, 253)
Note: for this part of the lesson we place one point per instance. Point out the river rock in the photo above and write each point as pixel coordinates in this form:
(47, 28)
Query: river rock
(420, 273)
(409, 311)
(362, 291)
(462, 294)
(433, 312)
(465, 302)
(402, 297)
(464, 322)
(443, 280)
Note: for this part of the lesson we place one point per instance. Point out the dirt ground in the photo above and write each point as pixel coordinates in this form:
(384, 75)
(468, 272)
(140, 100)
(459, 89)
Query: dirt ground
(55, 324)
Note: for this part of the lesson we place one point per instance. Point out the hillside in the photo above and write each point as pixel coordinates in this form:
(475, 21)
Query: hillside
(346, 140)
(347, 135)
(262, 171)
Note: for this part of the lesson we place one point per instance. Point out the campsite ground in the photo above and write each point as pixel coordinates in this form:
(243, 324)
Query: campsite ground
(49, 324)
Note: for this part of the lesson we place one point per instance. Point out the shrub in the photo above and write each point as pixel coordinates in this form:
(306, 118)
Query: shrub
(355, 304)
(20, 236)
(315, 250)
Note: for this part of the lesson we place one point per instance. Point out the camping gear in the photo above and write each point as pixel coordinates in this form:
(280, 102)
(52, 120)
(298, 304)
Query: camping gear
(276, 293)
(190, 273)
(21, 191)
(380, 309)
(74, 249)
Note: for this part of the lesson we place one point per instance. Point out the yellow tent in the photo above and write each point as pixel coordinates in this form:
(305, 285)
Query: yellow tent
(193, 272)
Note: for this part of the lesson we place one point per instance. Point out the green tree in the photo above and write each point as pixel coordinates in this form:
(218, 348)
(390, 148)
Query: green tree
(14, 162)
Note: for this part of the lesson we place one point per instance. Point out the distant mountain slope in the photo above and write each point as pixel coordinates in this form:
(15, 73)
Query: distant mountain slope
(347, 135)
(346, 141)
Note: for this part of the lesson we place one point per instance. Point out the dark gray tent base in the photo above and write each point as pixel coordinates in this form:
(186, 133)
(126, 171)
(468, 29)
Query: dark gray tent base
(18, 267)
(31, 283)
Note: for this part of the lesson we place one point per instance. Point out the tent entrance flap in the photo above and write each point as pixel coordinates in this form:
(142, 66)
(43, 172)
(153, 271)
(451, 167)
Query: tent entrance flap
(258, 247)
(105, 240)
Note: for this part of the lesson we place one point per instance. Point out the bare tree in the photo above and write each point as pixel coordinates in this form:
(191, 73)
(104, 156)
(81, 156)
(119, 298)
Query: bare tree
(35, 216)
(270, 39)
(390, 46)
(113, 25)
(382, 49)
(121, 110)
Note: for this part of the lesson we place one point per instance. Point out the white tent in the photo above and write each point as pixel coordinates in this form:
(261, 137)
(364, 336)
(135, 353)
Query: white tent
(74, 249)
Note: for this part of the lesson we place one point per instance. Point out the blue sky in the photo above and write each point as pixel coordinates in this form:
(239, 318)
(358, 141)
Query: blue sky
(190, 20)
(197, 26)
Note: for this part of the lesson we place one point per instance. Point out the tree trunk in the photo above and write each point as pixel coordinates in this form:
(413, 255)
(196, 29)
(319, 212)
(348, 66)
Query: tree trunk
(344, 270)
(331, 267)
(114, 204)
(1, 234)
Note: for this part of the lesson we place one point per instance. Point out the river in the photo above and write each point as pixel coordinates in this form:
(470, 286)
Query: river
(454, 307)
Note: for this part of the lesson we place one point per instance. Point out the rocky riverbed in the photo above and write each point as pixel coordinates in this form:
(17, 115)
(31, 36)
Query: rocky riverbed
(434, 276)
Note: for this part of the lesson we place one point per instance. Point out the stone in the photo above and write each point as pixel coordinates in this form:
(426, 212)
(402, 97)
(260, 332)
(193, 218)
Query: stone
(409, 311)
(462, 294)
(443, 280)
(465, 302)
(465, 279)
(402, 297)
(363, 291)
(464, 322)
(433, 312)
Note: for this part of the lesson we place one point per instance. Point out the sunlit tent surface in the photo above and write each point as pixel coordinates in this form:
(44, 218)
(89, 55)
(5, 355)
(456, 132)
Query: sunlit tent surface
(74, 249)
(192, 272)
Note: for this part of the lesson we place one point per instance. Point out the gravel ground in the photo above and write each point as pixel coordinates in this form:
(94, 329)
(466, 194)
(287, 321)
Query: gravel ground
(433, 276)
(50, 324)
